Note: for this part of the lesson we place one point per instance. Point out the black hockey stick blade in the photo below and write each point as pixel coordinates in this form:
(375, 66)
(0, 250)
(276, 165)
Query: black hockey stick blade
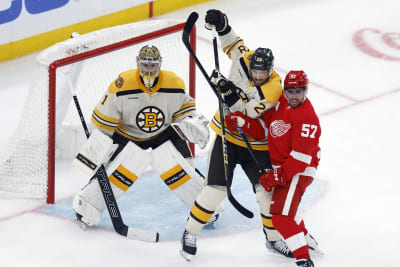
(191, 20)
(116, 219)
(239, 207)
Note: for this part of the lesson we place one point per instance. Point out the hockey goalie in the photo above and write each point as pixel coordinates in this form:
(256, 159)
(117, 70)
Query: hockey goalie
(144, 118)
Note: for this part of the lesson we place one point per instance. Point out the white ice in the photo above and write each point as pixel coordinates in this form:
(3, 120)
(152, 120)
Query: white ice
(355, 216)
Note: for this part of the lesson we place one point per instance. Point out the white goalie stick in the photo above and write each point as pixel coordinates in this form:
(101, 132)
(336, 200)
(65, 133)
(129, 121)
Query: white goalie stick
(190, 22)
(101, 176)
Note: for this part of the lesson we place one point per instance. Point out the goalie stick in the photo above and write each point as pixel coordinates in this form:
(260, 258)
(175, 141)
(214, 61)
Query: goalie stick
(185, 38)
(105, 187)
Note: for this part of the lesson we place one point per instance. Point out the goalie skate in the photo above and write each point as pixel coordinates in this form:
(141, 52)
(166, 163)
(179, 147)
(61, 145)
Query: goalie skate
(83, 225)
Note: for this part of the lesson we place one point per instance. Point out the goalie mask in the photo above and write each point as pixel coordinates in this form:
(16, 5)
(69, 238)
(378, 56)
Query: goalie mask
(261, 64)
(149, 64)
(296, 87)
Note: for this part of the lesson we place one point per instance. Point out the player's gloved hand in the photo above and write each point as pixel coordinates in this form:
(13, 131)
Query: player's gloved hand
(235, 119)
(216, 18)
(228, 91)
(272, 178)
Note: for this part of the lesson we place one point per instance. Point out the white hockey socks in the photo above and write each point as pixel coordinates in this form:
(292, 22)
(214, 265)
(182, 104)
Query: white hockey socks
(204, 207)
(264, 200)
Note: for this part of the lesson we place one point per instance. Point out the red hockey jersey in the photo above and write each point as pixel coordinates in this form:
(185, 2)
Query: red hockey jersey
(293, 137)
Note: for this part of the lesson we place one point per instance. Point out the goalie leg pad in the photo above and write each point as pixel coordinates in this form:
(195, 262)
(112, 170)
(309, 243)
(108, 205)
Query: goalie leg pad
(204, 207)
(177, 173)
(264, 201)
(127, 166)
(98, 149)
(91, 215)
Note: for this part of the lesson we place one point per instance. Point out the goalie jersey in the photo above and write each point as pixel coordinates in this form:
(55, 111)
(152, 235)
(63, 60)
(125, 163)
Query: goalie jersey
(133, 111)
(254, 100)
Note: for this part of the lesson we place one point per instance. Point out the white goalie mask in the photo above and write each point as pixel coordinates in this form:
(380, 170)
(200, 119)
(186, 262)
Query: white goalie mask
(149, 64)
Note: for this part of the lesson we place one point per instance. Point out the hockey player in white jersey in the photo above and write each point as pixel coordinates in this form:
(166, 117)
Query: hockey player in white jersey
(135, 127)
(253, 88)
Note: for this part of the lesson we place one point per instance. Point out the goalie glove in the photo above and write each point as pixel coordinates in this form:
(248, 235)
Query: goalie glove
(193, 129)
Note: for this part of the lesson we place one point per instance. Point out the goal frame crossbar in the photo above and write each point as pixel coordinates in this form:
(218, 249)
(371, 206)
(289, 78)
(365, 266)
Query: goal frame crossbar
(52, 71)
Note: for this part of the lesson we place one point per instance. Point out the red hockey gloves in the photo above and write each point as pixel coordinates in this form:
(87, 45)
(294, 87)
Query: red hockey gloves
(249, 126)
(272, 178)
(235, 119)
(218, 19)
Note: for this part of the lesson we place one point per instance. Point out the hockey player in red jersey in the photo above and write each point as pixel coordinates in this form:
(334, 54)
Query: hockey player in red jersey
(293, 137)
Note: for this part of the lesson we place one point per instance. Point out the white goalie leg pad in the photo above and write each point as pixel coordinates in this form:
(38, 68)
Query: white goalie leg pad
(129, 164)
(91, 215)
(204, 207)
(122, 173)
(98, 149)
(193, 129)
(264, 201)
(177, 173)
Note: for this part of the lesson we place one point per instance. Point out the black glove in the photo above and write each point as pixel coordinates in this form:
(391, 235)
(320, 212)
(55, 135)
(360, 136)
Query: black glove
(228, 91)
(218, 19)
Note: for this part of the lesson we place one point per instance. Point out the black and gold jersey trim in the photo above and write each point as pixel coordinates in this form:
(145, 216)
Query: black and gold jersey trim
(187, 108)
(236, 139)
(171, 90)
(129, 92)
(104, 122)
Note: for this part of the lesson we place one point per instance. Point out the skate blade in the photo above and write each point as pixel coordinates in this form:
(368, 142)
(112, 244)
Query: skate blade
(186, 255)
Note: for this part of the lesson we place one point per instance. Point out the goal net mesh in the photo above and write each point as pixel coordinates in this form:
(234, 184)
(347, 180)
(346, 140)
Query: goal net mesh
(24, 165)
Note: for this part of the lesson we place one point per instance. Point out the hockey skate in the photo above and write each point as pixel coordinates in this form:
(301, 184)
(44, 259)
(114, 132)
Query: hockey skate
(279, 247)
(188, 245)
(313, 244)
(305, 263)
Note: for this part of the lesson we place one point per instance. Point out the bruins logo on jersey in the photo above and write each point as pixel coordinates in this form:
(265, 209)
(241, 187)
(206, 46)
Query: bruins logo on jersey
(119, 82)
(150, 119)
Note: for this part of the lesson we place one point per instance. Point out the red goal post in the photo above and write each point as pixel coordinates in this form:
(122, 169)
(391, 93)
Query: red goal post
(83, 63)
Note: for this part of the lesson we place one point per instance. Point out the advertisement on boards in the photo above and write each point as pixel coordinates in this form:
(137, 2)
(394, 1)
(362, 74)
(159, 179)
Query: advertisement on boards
(46, 15)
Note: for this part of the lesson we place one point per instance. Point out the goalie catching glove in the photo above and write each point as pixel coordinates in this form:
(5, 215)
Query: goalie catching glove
(193, 129)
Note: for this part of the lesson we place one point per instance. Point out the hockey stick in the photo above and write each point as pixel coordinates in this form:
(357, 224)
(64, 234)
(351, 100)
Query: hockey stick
(218, 94)
(185, 38)
(108, 195)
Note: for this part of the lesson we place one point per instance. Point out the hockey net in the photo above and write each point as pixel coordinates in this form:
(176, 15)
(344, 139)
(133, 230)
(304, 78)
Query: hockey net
(84, 65)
